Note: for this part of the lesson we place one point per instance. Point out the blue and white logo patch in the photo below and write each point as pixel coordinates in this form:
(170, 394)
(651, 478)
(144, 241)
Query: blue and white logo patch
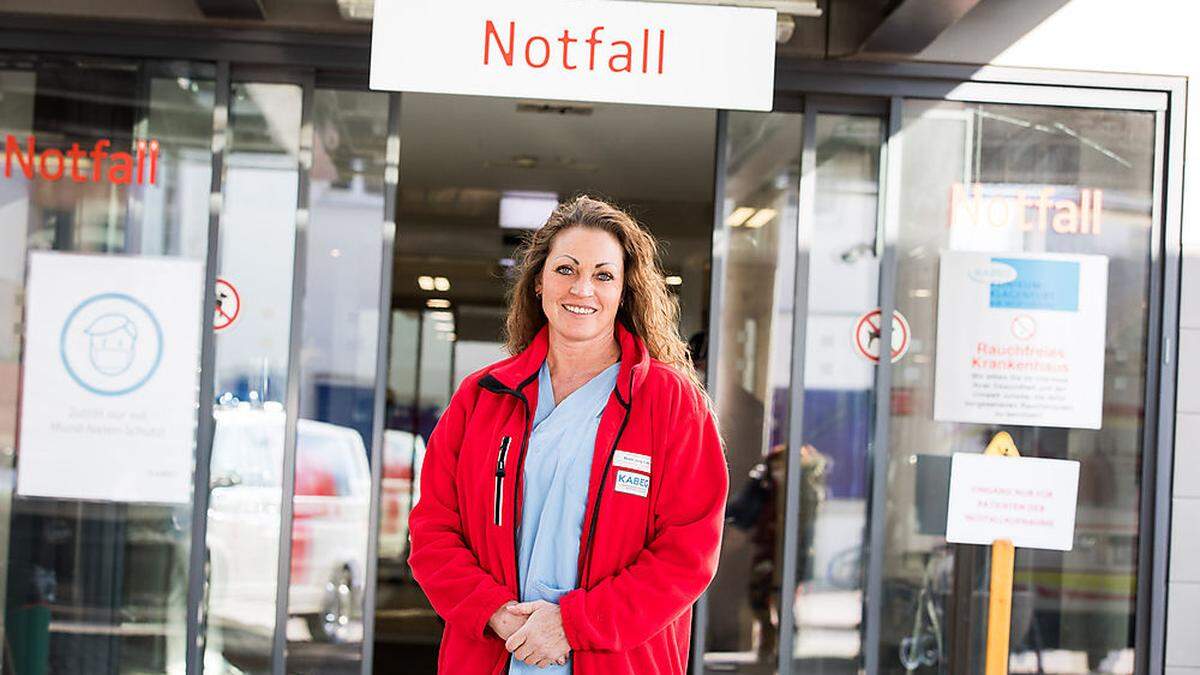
(633, 483)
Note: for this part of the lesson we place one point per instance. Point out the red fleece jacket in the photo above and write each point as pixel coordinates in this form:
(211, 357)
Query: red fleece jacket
(643, 560)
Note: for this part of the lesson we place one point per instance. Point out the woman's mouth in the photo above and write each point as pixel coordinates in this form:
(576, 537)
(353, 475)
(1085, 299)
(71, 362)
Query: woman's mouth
(579, 309)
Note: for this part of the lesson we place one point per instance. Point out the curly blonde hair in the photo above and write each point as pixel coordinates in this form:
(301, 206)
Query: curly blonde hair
(647, 308)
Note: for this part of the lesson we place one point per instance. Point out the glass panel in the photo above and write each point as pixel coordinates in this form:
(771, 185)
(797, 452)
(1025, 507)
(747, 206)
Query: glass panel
(337, 386)
(838, 396)
(1021, 181)
(97, 586)
(258, 235)
(753, 385)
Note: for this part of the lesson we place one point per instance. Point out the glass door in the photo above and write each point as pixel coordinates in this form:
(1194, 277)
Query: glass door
(304, 239)
(793, 388)
(96, 550)
(254, 431)
(1023, 239)
(895, 282)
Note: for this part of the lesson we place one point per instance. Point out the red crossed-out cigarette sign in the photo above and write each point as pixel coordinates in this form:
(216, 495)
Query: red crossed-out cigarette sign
(228, 307)
(867, 333)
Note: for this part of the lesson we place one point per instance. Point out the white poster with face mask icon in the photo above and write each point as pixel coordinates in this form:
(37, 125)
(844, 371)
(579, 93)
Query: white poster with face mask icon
(109, 378)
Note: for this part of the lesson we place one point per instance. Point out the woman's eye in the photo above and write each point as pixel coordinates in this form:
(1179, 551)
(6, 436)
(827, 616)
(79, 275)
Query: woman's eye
(605, 276)
(563, 269)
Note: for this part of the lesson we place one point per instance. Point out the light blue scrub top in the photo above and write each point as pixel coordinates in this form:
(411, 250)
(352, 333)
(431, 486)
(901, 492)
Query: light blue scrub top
(558, 466)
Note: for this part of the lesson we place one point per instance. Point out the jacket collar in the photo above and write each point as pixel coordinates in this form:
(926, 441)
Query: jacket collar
(514, 374)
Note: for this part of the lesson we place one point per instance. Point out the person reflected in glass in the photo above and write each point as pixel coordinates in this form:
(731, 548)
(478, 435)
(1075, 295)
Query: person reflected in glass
(573, 494)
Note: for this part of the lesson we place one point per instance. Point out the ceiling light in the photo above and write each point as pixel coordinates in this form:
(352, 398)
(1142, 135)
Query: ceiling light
(443, 327)
(335, 253)
(437, 303)
(739, 216)
(441, 283)
(761, 218)
(442, 316)
(674, 280)
(425, 282)
(523, 210)
(785, 27)
(356, 10)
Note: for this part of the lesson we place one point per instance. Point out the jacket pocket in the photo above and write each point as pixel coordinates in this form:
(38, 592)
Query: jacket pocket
(498, 495)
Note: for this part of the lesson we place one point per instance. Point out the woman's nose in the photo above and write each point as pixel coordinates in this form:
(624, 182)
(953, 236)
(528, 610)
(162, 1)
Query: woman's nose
(582, 288)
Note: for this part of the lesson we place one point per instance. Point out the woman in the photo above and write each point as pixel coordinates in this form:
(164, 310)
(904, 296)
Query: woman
(573, 494)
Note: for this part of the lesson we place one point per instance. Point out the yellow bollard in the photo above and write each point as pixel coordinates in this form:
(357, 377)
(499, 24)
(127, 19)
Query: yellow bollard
(1000, 590)
(1000, 607)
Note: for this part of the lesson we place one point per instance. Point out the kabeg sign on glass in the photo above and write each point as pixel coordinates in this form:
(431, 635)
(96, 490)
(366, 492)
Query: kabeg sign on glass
(617, 52)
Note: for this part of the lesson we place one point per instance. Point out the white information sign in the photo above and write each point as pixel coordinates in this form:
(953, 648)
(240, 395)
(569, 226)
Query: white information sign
(1030, 501)
(619, 52)
(1020, 339)
(112, 352)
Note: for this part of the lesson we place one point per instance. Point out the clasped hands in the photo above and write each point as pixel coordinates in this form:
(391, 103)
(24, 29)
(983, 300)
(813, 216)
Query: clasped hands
(532, 632)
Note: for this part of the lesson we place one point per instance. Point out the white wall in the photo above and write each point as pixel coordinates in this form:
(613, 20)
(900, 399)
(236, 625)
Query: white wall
(1153, 37)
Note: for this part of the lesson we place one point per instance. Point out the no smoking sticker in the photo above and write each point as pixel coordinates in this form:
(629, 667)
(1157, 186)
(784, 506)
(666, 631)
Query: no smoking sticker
(228, 307)
(867, 333)
(1024, 327)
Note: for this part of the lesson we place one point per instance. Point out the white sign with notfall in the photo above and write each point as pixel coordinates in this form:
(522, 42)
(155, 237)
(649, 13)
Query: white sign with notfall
(1028, 500)
(109, 385)
(618, 52)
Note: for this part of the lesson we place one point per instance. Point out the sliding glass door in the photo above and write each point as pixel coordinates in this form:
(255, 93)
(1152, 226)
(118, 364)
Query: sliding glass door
(898, 280)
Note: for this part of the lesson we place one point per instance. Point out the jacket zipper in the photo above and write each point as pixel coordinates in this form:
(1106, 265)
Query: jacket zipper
(492, 384)
(586, 571)
(498, 503)
(517, 492)
(519, 393)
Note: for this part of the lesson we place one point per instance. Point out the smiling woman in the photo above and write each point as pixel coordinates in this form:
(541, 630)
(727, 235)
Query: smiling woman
(605, 448)
(580, 285)
(645, 304)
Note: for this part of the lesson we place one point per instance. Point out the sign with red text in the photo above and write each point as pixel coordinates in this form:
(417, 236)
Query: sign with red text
(617, 52)
(1027, 500)
(1020, 339)
(100, 163)
(1007, 216)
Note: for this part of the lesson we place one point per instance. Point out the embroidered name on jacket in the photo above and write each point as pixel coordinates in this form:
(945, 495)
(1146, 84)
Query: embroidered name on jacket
(632, 483)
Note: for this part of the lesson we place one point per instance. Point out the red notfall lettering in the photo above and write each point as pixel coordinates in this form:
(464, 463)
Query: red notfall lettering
(506, 54)
(52, 164)
(11, 148)
(970, 207)
(539, 49)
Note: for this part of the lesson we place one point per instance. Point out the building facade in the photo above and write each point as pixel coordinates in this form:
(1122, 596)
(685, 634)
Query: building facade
(335, 261)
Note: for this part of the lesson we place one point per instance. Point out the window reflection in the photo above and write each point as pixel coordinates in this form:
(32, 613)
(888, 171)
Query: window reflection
(1073, 612)
(258, 225)
(838, 396)
(91, 583)
(337, 372)
(752, 388)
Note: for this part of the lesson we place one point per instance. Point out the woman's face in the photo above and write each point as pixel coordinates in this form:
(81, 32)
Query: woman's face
(581, 283)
